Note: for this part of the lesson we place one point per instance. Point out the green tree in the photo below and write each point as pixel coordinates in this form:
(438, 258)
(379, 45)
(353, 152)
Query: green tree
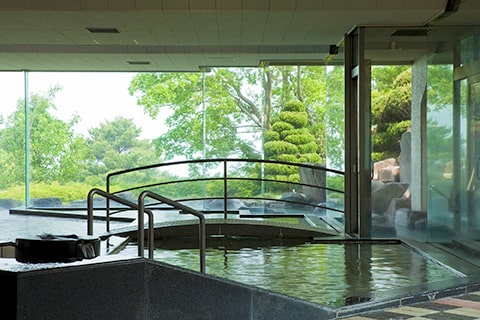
(391, 104)
(56, 152)
(334, 118)
(183, 98)
(289, 140)
(233, 99)
(115, 145)
(391, 109)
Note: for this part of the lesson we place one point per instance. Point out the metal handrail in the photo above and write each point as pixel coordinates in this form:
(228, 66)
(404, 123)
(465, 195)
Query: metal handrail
(157, 165)
(179, 206)
(225, 177)
(107, 195)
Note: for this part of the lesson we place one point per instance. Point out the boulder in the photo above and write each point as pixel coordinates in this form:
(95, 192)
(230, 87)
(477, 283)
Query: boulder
(384, 193)
(10, 203)
(405, 157)
(314, 177)
(294, 200)
(395, 205)
(47, 202)
(232, 204)
(379, 165)
(390, 173)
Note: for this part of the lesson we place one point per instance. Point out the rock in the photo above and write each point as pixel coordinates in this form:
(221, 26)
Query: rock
(390, 173)
(10, 203)
(383, 193)
(47, 202)
(402, 217)
(405, 158)
(379, 165)
(395, 205)
(295, 200)
(314, 177)
(232, 204)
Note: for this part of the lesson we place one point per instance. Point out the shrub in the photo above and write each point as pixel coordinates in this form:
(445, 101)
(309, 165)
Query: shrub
(296, 119)
(279, 147)
(281, 126)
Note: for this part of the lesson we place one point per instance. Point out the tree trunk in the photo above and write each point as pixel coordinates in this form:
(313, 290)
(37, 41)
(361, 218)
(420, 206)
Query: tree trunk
(267, 87)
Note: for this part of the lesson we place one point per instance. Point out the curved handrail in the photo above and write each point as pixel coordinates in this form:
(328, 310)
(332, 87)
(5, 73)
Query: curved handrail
(225, 178)
(158, 165)
(107, 195)
(179, 206)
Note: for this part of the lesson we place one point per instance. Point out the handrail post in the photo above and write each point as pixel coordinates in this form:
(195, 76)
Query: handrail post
(141, 227)
(90, 212)
(225, 193)
(203, 243)
(107, 205)
(127, 203)
(199, 215)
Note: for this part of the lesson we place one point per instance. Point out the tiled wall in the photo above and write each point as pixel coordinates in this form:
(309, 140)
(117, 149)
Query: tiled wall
(143, 289)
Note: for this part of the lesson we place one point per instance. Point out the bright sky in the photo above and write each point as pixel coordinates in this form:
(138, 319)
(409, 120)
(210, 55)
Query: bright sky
(96, 97)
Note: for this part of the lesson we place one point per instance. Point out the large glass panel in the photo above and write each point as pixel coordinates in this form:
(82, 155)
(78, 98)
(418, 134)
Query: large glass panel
(452, 137)
(82, 126)
(461, 221)
(335, 139)
(425, 93)
(276, 113)
(12, 147)
(397, 69)
(440, 147)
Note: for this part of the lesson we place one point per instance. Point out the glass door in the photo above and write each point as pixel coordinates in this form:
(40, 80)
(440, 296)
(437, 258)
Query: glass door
(473, 154)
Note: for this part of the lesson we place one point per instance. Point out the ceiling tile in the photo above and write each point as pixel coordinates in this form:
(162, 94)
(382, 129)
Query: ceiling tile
(256, 4)
(66, 5)
(303, 5)
(12, 4)
(175, 4)
(230, 5)
(94, 4)
(283, 5)
(35, 4)
(153, 26)
(204, 20)
(365, 4)
(121, 4)
(148, 5)
(338, 4)
(202, 5)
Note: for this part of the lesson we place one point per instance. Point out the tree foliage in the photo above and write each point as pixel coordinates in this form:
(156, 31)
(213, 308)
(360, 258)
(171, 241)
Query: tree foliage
(116, 145)
(289, 140)
(183, 98)
(391, 104)
(240, 105)
(391, 109)
(56, 153)
(334, 118)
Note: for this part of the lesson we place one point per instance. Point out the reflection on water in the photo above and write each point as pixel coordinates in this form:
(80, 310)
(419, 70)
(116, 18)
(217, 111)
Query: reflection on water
(333, 274)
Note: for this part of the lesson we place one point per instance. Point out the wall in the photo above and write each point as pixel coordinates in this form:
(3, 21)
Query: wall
(140, 289)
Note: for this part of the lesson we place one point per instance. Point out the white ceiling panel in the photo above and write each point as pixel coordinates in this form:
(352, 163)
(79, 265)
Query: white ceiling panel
(231, 5)
(181, 5)
(91, 4)
(51, 34)
(203, 5)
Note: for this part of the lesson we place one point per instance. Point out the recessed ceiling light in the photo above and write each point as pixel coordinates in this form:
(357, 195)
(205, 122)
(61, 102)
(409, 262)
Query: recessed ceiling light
(102, 30)
(410, 32)
(138, 63)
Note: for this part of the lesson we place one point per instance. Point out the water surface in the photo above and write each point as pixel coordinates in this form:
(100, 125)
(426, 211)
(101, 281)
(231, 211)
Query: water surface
(332, 274)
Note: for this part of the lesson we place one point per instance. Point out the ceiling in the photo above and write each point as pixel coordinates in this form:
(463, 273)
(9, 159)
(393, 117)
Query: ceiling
(186, 35)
